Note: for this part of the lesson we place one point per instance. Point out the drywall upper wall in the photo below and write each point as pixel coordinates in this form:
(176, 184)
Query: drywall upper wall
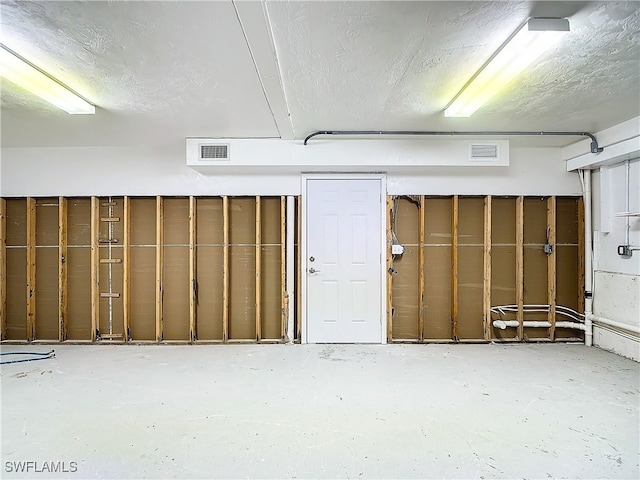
(616, 288)
(148, 171)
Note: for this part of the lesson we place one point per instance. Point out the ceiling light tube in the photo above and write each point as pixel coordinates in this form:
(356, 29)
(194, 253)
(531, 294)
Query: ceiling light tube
(26, 75)
(535, 37)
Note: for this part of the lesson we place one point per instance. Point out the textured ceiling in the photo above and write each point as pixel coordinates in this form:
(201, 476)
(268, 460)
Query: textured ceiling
(162, 71)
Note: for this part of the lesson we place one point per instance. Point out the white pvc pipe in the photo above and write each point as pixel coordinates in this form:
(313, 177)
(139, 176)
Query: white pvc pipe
(612, 323)
(588, 259)
(290, 286)
(502, 324)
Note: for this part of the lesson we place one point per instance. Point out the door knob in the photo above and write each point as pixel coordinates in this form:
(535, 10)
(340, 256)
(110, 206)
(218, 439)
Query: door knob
(313, 270)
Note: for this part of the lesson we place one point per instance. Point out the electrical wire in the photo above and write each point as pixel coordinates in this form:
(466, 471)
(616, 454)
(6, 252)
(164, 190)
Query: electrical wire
(35, 356)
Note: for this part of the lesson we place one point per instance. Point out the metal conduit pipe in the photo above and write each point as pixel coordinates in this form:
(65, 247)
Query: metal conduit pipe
(595, 148)
(612, 323)
(585, 176)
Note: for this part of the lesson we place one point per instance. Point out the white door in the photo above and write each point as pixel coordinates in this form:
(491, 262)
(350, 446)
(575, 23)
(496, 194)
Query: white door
(343, 264)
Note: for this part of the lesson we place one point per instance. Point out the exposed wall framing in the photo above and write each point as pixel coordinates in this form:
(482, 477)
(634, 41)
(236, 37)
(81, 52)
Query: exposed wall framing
(145, 269)
(213, 269)
(464, 255)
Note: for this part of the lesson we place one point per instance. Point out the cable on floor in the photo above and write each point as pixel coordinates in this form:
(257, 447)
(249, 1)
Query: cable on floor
(34, 356)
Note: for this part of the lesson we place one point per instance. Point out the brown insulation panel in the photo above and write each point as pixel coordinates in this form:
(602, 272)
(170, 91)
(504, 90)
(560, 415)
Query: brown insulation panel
(16, 222)
(271, 293)
(79, 221)
(503, 258)
(16, 293)
(79, 292)
(143, 221)
(209, 221)
(47, 293)
(209, 290)
(143, 291)
(470, 267)
(535, 262)
(47, 222)
(437, 268)
(568, 260)
(242, 289)
(405, 281)
(175, 300)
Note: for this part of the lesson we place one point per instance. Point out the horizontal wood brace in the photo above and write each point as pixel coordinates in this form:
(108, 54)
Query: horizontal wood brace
(110, 260)
(109, 219)
(109, 295)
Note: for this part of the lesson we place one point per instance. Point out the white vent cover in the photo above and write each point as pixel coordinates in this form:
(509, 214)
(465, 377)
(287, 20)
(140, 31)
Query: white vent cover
(484, 152)
(213, 151)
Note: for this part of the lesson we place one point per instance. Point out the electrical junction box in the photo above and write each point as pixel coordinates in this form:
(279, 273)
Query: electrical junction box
(624, 250)
(397, 249)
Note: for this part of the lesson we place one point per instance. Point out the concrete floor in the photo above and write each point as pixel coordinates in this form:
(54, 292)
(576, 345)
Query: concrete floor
(322, 411)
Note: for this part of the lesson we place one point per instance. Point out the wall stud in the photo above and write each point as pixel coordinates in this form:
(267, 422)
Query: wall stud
(454, 268)
(192, 270)
(486, 277)
(258, 269)
(421, 247)
(389, 270)
(159, 262)
(283, 265)
(62, 269)
(225, 269)
(520, 265)
(31, 269)
(3, 269)
(126, 270)
(551, 266)
(95, 262)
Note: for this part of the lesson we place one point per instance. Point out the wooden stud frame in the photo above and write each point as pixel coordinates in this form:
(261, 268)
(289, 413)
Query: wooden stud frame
(283, 266)
(192, 270)
(520, 266)
(159, 261)
(225, 268)
(126, 269)
(62, 269)
(95, 262)
(421, 278)
(551, 266)
(454, 268)
(486, 275)
(258, 269)
(3, 269)
(389, 271)
(31, 269)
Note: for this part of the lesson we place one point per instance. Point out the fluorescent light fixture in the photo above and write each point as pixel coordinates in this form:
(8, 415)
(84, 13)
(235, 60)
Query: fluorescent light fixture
(535, 37)
(26, 75)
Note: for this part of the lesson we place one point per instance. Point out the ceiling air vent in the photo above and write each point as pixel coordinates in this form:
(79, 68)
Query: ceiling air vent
(209, 151)
(484, 152)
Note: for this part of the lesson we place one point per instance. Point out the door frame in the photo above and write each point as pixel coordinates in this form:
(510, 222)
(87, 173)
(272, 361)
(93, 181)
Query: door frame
(382, 179)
